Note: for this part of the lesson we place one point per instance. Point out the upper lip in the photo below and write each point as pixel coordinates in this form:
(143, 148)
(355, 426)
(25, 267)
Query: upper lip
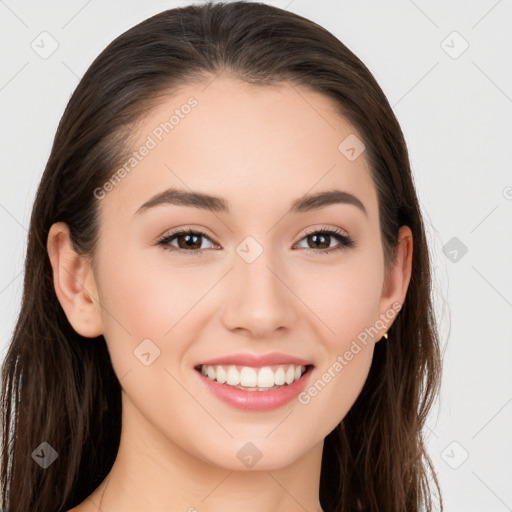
(255, 360)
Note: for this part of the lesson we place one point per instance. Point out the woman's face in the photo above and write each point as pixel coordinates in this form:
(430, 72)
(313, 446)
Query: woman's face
(261, 280)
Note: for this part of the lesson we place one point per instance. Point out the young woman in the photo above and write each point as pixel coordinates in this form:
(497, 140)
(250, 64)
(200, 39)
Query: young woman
(227, 296)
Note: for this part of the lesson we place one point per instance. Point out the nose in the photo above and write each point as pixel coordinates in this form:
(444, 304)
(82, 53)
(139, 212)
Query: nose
(258, 298)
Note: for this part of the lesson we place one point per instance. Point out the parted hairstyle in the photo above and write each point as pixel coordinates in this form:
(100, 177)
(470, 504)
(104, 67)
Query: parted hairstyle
(60, 387)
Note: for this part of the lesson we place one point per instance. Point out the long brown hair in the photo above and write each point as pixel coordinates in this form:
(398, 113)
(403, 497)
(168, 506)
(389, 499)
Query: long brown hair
(59, 387)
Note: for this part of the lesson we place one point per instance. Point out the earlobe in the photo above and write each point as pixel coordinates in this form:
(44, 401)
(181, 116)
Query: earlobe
(74, 283)
(397, 281)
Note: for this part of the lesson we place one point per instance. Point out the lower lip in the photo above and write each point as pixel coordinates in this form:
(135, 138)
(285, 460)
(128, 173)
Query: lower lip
(256, 400)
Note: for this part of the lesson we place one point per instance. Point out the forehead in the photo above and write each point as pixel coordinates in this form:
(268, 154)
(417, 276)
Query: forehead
(255, 145)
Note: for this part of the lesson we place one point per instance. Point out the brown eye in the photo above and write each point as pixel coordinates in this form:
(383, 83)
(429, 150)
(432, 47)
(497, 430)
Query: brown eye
(187, 241)
(322, 240)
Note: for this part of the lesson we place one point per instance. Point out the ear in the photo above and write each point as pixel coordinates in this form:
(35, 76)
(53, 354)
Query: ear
(397, 281)
(74, 283)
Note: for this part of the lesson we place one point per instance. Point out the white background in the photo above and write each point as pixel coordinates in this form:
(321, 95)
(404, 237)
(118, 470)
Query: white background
(455, 113)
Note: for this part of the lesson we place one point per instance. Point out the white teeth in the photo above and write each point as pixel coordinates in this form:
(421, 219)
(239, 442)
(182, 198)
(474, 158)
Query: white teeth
(221, 374)
(290, 375)
(279, 376)
(265, 377)
(248, 377)
(233, 376)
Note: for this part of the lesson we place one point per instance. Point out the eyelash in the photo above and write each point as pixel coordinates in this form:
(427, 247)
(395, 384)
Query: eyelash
(346, 241)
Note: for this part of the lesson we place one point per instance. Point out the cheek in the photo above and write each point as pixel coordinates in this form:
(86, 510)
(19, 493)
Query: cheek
(146, 311)
(344, 297)
(148, 298)
(347, 303)
(339, 384)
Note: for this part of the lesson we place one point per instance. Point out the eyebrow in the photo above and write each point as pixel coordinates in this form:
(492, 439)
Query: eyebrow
(179, 197)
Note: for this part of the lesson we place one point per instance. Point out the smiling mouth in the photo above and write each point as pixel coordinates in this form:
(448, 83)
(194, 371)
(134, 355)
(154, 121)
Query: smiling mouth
(247, 378)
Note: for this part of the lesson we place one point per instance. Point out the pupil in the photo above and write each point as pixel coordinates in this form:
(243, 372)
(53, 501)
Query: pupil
(188, 238)
(316, 237)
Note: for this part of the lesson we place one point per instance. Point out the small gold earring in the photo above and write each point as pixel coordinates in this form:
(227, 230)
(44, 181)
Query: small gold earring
(385, 335)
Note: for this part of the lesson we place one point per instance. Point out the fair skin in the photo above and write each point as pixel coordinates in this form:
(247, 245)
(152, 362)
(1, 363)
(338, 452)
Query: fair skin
(261, 148)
